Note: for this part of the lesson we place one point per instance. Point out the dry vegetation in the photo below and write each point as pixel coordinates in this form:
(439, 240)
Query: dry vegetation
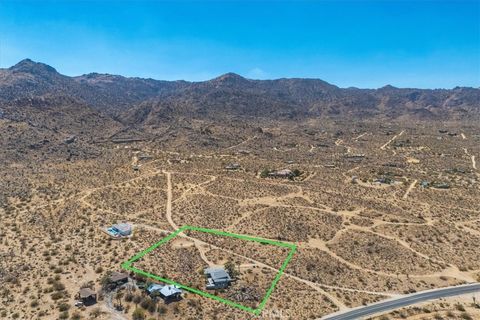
(358, 240)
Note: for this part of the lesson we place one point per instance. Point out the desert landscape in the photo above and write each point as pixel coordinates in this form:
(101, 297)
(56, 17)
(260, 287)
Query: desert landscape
(378, 190)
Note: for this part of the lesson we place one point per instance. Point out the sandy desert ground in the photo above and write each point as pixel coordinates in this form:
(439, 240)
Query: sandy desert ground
(365, 227)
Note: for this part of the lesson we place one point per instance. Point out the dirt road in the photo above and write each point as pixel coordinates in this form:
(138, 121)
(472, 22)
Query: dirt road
(391, 140)
(410, 188)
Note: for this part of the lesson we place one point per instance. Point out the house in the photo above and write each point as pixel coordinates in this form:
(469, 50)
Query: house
(170, 293)
(217, 278)
(87, 296)
(441, 185)
(118, 278)
(167, 292)
(425, 184)
(120, 230)
(285, 173)
(354, 156)
(232, 166)
(154, 289)
(144, 156)
(384, 180)
(70, 139)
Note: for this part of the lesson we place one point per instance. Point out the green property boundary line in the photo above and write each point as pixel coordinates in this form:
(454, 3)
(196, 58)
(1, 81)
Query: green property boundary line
(128, 265)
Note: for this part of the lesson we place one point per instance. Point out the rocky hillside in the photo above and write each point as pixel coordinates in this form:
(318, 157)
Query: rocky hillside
(138, 102)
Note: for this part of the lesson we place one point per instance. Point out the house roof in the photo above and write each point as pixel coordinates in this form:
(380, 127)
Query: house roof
(217, 274)
(170, 291)
(86, 293)
(283, 172)
(123, 227)
(154, 287)
(118, 276)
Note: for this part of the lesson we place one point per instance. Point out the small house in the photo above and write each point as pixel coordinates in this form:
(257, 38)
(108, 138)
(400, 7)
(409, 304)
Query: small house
(441, 185)
(217, 278)
(70, 139)
(170, 293)
(144, 156)
(87, 296)
(232, 166)
(118, 278)
(154, 289)
(285, 173)
(425, 184)
(120, 230)
(167, 292)
(384, 180)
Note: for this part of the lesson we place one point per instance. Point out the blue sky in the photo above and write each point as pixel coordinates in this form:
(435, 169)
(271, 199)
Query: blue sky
(427, 44)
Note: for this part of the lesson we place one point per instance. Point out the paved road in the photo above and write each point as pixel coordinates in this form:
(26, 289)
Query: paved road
(406, 300)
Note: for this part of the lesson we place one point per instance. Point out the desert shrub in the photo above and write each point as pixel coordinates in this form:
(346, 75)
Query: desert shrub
(137, 299)
(57, 295)
(76, 316)
(466, 316)
(63, 306)
(459, 307)
(58, 286)
(96, 313)
(129, 297)
(138, 314)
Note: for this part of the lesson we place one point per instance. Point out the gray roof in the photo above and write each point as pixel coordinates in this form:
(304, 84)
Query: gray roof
(86, 292)
(117, 276)
(123, 227)
(168, 291)
(154, 287)
(217, 274)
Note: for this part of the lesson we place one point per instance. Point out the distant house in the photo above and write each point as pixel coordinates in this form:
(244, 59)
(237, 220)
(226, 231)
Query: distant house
(384, 180)
(87, 296)
(118, 278)
(70, 139)
(120, 230)
(232, 166)
(425, 184)
(217, 278)
(285, 173)
(441, 185)
(354, 156)
(144, 156)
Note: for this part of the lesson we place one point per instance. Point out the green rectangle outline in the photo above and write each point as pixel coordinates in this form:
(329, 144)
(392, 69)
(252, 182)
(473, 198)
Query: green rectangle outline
(128, 265)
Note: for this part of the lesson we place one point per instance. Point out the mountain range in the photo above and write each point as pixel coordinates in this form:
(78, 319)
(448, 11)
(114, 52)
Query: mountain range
(37, 94)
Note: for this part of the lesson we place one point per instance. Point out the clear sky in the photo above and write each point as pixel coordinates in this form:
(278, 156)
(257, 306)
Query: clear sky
(427, 44)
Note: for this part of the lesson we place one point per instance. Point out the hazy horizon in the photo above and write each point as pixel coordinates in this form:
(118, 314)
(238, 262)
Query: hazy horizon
(364, 44)
(220, 75)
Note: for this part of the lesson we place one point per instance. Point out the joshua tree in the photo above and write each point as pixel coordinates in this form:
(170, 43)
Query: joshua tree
(230, 267)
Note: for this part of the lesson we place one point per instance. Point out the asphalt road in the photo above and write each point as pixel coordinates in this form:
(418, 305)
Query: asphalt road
(402, 301)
